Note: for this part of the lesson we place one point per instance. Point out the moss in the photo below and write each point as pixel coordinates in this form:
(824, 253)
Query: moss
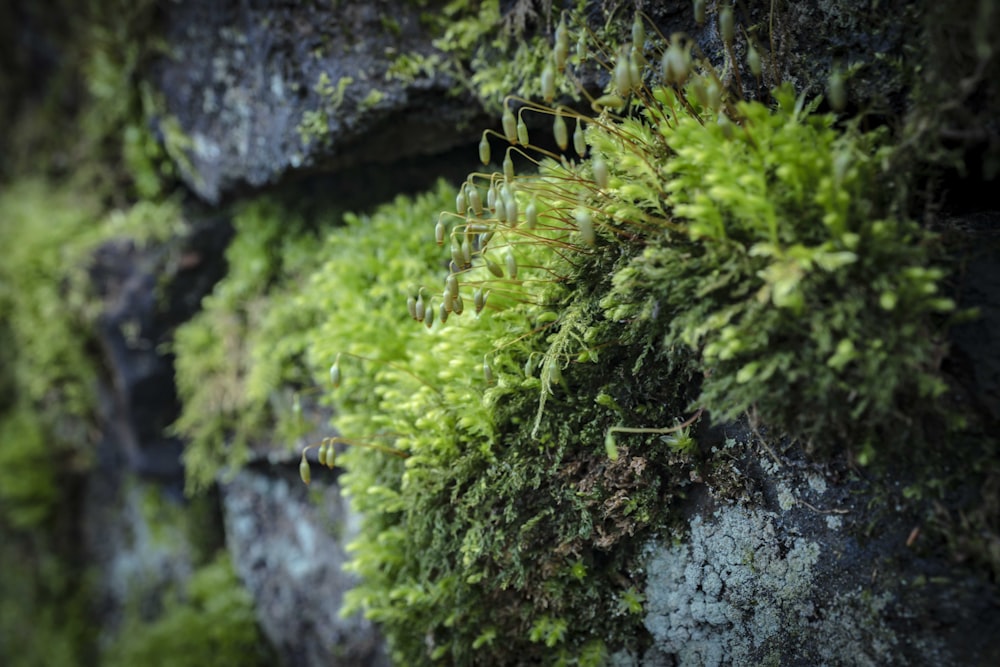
(237, 356)
(46, 314)
(212, 622)
(667, 272)
(457, 530)
(700, 240)
(315, 124)
(93, 116)
(47, 376)
(487, 52)
(30, 483)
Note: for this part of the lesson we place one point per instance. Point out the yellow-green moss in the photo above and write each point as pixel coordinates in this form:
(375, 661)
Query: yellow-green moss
(237, 359)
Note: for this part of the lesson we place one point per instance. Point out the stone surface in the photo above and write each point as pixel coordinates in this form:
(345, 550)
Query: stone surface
(816, 571)
(136, 530)
(138, 315)
(287, 544)
(242, 78)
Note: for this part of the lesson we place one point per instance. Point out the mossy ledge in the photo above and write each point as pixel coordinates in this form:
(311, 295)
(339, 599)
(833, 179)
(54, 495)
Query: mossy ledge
(622, 364)
(694, 255)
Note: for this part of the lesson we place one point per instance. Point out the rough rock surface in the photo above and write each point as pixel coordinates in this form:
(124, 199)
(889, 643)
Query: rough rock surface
(287, 544)
(136, 318)
(794, 580)
(242, 78)
(135, 528)
(266, 90)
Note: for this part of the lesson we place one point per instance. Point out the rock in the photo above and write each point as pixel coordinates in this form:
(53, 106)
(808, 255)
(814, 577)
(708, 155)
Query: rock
(266, 90)
(287, 544)
(137, 532)
(139, 401)
(820, 571)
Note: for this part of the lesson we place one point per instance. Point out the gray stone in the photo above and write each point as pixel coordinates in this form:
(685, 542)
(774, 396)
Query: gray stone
(287, 544)
(774, 583)
(246, 80)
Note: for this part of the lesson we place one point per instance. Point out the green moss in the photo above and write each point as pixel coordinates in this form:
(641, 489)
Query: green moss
(372, 99)
(487, 53)
(47, 374)
(315, 124)
(29, 490)
(806, 298)
(236, 358)
(458, 537)
(674, 268)
(706, 254)
(212, 622)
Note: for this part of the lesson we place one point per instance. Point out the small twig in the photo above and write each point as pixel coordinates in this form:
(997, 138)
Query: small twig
(819, 511)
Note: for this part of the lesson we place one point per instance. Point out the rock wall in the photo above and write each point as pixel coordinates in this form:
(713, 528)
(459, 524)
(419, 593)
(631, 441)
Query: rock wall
(795, 559)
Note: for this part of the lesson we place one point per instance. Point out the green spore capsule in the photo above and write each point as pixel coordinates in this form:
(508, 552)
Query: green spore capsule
(726, 27)
(475, 200)
(753, 61)
(508, 168)
(610, 447)
(439, 231)
(522, 132)
(601, 175)
(579, 142)
(509, 125)
(493, 267)
(638, 32)
(511, 262)
(585, 225)
(560, 132)
(484, 150)
(531, 215)
(510, 207)
(548, 84)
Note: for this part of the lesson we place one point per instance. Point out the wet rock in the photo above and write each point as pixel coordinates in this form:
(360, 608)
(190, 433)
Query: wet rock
(287, 544)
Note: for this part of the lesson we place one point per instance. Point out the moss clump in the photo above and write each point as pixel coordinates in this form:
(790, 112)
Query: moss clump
(211, 623)
(806, 298)
(697, 252)
(239, 355)
(457, 550)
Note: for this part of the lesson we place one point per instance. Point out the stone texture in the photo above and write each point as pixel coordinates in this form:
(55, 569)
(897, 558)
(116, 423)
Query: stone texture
(287, 544)
(816, 571)
(241, 77)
